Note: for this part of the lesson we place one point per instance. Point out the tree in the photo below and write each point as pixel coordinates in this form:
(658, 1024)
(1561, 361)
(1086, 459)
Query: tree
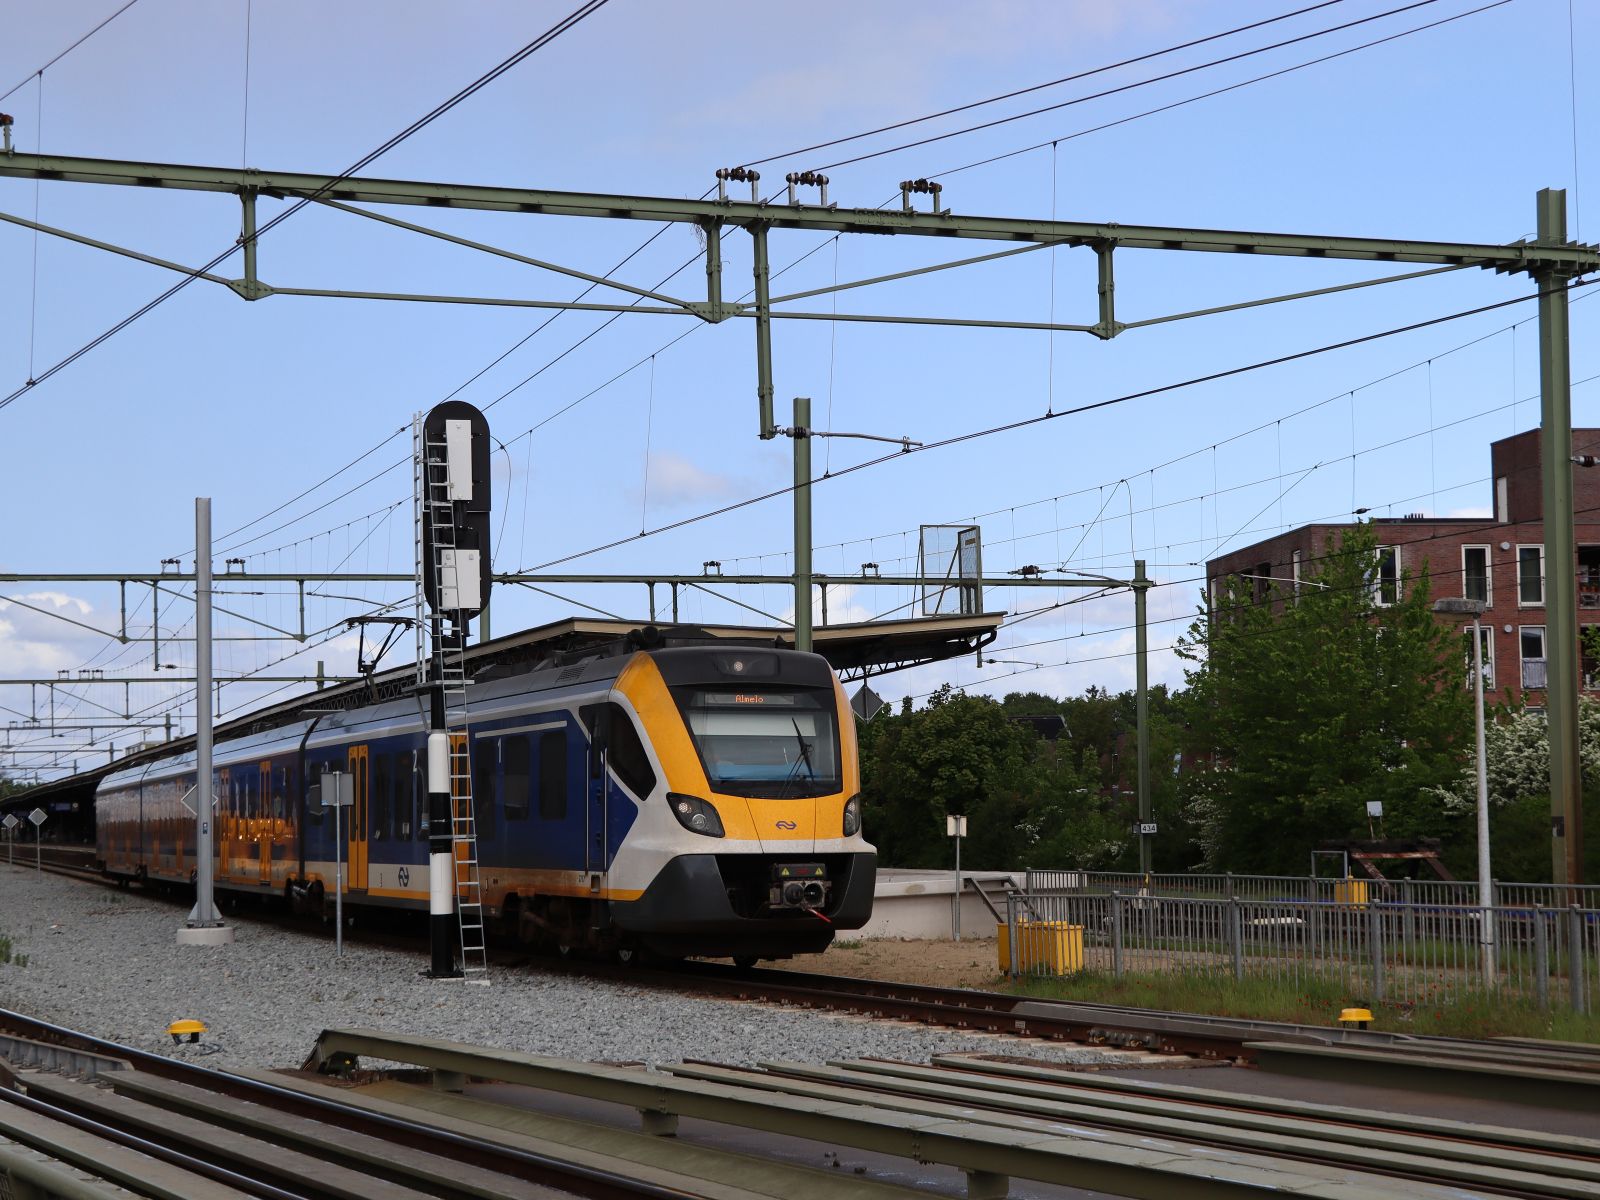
(958, 755)
(1030, 802)
(1304, 707)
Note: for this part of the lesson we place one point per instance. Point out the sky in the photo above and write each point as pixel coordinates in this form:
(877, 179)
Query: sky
(647, 420)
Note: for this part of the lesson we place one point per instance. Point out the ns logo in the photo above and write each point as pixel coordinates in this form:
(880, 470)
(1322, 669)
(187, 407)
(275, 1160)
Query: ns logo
(787, 825)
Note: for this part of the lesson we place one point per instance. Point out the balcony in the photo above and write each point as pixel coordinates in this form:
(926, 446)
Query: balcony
(1533, 673)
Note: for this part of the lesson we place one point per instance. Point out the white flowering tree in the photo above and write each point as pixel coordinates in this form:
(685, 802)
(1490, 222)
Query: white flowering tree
(1517, 748)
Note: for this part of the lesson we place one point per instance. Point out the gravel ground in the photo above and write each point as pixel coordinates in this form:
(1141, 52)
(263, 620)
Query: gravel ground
(107, 963)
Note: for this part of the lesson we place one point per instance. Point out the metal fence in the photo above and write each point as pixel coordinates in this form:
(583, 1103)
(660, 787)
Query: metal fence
(1382, 951)
(1311, 888)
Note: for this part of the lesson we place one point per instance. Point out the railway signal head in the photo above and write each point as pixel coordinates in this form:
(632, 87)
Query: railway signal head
(455, 509)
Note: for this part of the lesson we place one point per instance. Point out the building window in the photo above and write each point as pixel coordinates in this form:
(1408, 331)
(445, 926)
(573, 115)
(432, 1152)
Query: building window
(1589, 576)
(1531, 641)
(1501, 501)
(1486, 648)
(1263, 581)
(1386, 587)
(1475, 573)
(1530, 576)
(1294, 571)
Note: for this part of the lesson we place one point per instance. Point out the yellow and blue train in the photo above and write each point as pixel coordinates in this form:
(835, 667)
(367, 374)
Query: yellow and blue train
(695, 799)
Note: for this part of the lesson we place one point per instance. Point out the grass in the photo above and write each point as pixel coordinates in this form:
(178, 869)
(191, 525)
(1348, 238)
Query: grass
(848, 944)
(8, 955)
(1469, 1015)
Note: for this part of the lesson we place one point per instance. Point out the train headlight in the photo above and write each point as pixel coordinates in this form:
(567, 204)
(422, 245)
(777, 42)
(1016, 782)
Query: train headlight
(852, 816)
(694, 814)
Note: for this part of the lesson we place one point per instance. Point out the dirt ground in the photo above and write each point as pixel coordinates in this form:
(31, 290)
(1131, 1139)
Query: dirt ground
(967, 963)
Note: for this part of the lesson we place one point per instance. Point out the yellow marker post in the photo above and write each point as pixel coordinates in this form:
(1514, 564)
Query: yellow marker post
(189, 1030)
(1359, 1017)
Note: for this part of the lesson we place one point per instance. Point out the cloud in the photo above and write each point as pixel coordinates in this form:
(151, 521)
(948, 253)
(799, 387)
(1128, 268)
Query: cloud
(674, 480)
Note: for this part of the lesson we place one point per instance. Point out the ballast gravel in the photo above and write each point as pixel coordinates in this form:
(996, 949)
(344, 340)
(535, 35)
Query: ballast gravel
(107, 963)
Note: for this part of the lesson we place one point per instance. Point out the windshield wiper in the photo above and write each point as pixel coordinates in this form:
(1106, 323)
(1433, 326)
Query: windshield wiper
(804, 760)
(805, 749)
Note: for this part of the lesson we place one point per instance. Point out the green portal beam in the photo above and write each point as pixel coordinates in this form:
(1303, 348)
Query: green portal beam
(1515, 256)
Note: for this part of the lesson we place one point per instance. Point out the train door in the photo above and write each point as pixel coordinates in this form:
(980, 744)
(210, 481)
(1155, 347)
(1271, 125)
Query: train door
(358, 818)
(594, 840)
(222, 821)
(265, 831)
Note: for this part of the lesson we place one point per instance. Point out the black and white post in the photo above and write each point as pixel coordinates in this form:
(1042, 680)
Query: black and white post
(441, 848)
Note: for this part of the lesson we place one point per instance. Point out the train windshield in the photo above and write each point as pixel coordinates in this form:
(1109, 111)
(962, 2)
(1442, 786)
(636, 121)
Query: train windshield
(765, 743)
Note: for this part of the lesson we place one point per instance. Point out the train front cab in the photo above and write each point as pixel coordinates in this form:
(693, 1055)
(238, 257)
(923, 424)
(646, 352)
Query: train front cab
(758, 849)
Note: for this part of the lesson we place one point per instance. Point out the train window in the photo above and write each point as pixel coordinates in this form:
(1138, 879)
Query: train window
(514, 756)
(406, 793)
(419, 785)
(553, 775)
(483, 790)
(381, 801)
(626, 755)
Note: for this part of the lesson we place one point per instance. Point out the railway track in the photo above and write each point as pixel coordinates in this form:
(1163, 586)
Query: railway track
(94, 1112)
(1212, 1038)
(160, 1127)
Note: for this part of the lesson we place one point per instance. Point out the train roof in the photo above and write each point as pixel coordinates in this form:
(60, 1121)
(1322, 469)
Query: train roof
(854, 650)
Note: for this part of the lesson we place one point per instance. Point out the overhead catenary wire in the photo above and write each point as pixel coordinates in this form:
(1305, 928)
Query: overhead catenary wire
(21, 83)
(1211, 446)
(1213, 93)
(1039, 87)
(1133, 86)
(571, 19)
(1026, 422)
(690, 262)
(545, 324)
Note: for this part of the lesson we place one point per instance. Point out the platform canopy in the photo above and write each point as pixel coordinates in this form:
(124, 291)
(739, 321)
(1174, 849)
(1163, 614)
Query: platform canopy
(856, 651)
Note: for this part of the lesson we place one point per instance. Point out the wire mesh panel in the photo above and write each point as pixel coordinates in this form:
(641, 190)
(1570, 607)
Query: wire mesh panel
(1411, 954)
(951, 555)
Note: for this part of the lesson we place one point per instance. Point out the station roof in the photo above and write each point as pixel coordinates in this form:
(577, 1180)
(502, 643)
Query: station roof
(856, 651)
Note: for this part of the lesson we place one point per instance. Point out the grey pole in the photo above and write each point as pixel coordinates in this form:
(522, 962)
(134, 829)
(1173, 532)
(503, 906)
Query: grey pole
(955, 913)
(204, 925)
(1141, 694)
(763, 324)
(1486, 933)
(1560, 554)
(802, 522)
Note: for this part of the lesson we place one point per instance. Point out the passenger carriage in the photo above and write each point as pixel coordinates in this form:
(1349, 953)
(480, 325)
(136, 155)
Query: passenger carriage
(693, 799)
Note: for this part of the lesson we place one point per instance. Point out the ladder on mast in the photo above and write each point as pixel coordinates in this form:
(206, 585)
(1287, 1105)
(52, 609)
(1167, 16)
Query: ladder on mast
(434, 506)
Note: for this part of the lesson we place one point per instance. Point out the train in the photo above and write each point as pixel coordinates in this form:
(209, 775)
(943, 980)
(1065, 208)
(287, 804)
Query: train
(660, 797)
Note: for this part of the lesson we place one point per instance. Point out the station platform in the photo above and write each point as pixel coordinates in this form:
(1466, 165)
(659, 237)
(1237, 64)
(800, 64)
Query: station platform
(918, 904)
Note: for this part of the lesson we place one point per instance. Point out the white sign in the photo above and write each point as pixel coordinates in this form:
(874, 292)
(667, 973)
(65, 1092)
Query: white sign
(38, 816)
(955, 827)
(11, 821)
(338, 789)
(1374, 808)
(1147, 828)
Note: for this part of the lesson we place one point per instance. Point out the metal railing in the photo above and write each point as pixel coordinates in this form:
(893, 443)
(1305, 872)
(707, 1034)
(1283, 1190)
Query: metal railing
(1385, 951)
(1311, 888)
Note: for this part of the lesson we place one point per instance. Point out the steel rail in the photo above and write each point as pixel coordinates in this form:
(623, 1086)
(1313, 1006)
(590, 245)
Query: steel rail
(577, 1178)
(177, 1158)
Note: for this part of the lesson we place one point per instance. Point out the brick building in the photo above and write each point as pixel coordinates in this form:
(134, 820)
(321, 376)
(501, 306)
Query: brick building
(1497, 559)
